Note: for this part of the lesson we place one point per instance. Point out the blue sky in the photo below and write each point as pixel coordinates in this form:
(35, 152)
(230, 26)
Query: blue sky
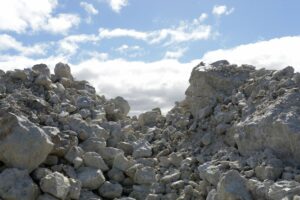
(145, 50)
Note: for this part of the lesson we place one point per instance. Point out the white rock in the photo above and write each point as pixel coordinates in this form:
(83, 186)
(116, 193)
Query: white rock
(56, 184)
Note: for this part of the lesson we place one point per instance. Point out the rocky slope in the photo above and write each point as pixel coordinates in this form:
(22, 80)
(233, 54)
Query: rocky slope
(235, 136)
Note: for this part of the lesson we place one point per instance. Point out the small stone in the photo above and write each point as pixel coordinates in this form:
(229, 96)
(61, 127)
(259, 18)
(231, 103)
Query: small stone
(142, 149)
(145, 175)
(93, 159)
(90, 178)
(75, 188)
(110, 190)
(56, 184)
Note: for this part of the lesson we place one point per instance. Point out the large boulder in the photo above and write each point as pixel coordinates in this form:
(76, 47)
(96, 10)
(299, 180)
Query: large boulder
(232, 186)
(275, 126)
(208, 85)
(22, 144)
(62, 70)
(16, 184)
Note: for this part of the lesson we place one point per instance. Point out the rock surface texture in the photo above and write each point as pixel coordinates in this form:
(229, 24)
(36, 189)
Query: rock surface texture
(236, 135)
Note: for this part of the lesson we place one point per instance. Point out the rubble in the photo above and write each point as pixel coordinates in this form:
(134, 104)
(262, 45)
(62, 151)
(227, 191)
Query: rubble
(236, 135)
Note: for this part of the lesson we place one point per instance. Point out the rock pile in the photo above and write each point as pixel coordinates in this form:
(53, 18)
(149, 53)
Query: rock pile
(235, 136)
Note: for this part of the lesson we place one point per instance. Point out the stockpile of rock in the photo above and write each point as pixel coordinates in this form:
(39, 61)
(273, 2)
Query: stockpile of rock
(235, 136)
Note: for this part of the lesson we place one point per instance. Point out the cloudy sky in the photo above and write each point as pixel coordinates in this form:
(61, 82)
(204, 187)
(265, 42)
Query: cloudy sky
(144, 50)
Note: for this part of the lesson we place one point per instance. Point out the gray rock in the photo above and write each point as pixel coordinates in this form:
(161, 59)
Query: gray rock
(149, 118)
(122, 163)
(90, 178)
(62, 70)
(56, 184)
(121, 104)
(75, 189)
(16, 184)
(208, 171)
(47, 197)
(284, 190)
(17, 134)
(145, 175)
(88, 195)
(142, 148)
(110, 190)
(41, 69)
(232, 186)
(93, 159)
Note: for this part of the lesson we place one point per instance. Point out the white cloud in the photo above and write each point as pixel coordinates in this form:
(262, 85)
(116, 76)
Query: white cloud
(144, 85)
(119, 32)
(175, 54)
(8, 42)
(184, 32)
(22, 16)
(219, 10)
(117, 5)
(62, 23)
(272, 54)
(70, 44)
(90, 9)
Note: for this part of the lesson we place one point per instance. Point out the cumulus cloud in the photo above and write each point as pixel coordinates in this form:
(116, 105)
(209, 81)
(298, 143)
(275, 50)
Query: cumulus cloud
(90, 9)
(130, 51)
(69, 45)
(62, 23)
(32, 15)
(144, 85)
(8, 42)
(117, 5)
(175, 54)
(273, 54)
(186, 31)
(219, 10)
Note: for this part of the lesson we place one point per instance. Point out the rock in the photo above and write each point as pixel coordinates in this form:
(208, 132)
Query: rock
(210, 172)
(89, 195)
(46, 197)
(90, 178)
(16, 135)
(40, 173)
(43, 80)
(56, 184)
(268, 172)
(84, 102)
(41, 69)
(110, 190)
(75, 189)
(145, 175)
(116, 175)
(284, 190)
(16, 184)
(149, 118)
(122, 105)
(62, 70)
(93, 159)
(122, 163)
(142, 149)
(233, 186)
